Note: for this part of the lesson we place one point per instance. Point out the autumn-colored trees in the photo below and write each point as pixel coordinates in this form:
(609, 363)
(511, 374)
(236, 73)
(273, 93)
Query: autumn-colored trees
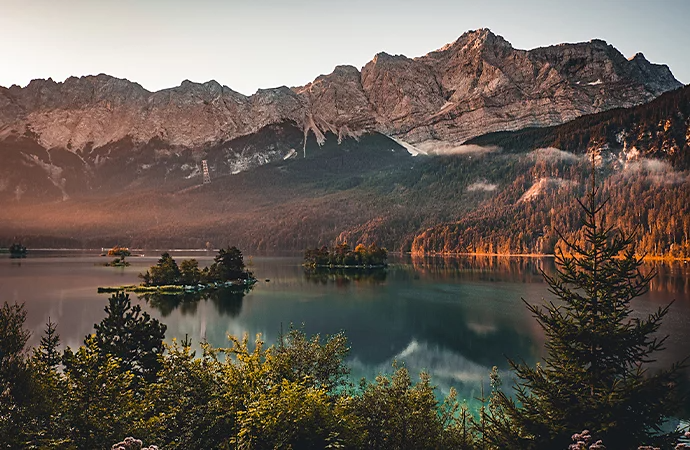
(343, 256)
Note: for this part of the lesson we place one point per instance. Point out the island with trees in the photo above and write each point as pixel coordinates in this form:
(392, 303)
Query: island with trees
(343, 257)
(228, 270)
(121, 253)
(17, 250)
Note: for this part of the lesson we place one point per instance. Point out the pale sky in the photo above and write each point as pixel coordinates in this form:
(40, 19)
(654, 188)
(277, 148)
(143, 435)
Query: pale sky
(254, 44)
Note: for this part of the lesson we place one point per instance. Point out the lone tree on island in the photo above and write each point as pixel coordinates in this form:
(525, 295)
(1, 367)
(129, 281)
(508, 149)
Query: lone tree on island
(595, 374)
(228, 265)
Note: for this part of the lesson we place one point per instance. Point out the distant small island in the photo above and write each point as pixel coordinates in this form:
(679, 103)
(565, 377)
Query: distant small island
(227, 270)
(121, 253)
(117, 262)
(17, 250)
(343, 257)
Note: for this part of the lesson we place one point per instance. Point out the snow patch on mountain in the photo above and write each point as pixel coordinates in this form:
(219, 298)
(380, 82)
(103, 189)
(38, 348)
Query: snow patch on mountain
(442, 148)
(54, 174)
(239, 163)
(412, 149)
(656, 171)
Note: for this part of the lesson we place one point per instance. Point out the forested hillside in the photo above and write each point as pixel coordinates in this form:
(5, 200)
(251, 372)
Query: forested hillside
(658, 129)
(642, 156)
(508, 195)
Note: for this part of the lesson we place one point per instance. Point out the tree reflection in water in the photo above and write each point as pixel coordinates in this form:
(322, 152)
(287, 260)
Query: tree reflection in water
(228, 301)
(344, 276)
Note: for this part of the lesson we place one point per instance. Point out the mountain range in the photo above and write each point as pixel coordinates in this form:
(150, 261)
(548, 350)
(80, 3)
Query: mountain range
(378, 153)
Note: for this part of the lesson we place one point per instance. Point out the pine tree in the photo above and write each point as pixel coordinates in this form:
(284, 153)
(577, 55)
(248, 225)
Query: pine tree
(595, 375)
(48, 350)
(15, 378)
(228, 265)
(131, 335)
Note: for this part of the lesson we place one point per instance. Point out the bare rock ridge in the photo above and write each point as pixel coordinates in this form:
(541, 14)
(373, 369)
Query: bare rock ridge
(475, 85)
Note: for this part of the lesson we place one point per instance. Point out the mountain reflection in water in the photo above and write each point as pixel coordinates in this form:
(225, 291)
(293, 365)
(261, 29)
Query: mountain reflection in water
(454, 317)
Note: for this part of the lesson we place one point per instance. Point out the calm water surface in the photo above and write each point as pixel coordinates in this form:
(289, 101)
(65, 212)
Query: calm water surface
(455, 318)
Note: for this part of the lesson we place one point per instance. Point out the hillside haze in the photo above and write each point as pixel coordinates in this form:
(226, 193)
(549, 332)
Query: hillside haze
(97, 160)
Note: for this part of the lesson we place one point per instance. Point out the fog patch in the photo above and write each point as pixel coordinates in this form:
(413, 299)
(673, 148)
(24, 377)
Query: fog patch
(543, 184)
(655, 170)
(553, 154)
(648, 165)
(442, 148)
(482, 185)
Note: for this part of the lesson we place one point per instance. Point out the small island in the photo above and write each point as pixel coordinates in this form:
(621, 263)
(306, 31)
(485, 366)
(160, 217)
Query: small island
(121, 253)
(166, 277)
(17, 250)
(343, 257)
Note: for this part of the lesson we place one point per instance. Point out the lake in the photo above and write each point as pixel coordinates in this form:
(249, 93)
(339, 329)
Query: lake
(454, 317)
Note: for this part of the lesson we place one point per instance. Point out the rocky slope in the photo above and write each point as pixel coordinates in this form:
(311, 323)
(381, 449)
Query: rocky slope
(100, 134)
(472, 86)
(507, 192)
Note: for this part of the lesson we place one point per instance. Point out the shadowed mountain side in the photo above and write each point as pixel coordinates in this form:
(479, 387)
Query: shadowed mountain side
(285, 204)
(659, 129)
(486, 202)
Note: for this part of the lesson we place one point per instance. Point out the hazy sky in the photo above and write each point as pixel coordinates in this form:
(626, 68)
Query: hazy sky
(266, 43)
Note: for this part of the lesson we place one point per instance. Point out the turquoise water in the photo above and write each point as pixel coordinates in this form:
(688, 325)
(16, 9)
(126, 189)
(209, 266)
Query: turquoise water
(455, 318)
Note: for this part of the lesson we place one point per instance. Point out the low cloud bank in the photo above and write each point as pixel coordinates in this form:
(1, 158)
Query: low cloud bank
(659, 172)
(448, 148)
(482, 185)
(554, 154)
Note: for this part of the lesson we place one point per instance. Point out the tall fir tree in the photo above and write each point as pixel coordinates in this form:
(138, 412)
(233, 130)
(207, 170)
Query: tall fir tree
(131, 335)
(595, 375)
(48, 351)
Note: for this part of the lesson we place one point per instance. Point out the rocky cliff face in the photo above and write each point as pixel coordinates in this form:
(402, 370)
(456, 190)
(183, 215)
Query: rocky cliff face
(475, 85)
(472, 86)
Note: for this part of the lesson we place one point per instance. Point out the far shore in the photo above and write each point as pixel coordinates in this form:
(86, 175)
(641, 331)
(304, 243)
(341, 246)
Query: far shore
(534, 255)
(297, 253)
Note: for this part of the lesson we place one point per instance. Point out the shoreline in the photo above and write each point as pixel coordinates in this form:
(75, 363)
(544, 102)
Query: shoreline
(645, 258)
(176, 288)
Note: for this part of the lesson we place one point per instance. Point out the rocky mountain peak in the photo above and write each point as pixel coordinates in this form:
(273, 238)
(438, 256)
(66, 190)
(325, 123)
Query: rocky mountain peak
(483, 37)
(475, 40)
(385, 58)
(476, 84)
(638, 56)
